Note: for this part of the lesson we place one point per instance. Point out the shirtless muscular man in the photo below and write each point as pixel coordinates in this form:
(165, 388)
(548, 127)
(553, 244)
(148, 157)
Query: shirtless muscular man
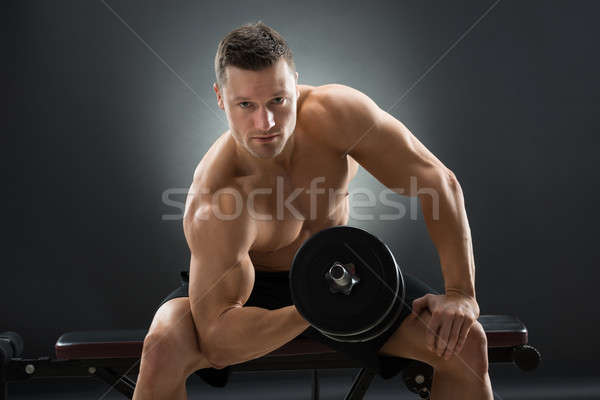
(254, 200)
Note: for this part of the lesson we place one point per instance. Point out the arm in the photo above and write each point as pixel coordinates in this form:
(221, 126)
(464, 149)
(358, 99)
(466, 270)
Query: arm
(221, 280)
(388, 150)
(393, 155)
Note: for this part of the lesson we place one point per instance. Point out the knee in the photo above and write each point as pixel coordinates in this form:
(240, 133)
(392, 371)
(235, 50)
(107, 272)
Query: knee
(159, 353)
(165, 352)
(473, 357)
(476, 350)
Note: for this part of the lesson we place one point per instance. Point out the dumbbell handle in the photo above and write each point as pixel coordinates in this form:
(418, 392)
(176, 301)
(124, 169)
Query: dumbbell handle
(341, 278)
(339, 274)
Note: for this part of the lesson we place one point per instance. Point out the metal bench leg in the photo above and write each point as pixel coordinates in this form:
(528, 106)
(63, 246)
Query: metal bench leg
(121, 383)
(418, 377)
(361, 384)
(315, 385)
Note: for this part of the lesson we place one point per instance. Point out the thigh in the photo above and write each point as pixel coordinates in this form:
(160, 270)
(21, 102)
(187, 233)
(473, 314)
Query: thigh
(271, 290)
(408, 340)
(372, 353)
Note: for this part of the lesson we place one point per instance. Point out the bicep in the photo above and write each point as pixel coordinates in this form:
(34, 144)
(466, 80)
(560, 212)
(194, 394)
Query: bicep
(216, 286)
(221, 272)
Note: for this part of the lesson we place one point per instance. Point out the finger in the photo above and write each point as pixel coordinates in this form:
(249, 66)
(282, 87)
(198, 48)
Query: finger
(432, 332)
(464, 332)
(444, 335)
(416, 306)
(454, 336)
(419, 305)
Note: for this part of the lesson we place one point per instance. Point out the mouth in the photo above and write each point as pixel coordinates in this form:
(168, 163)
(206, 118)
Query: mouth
(264, 139)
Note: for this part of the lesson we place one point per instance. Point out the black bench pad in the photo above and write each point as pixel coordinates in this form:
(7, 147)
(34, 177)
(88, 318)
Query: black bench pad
(501, 331)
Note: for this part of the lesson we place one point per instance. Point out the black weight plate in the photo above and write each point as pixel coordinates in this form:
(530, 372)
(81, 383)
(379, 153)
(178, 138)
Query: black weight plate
(376, 330)
(370, 301)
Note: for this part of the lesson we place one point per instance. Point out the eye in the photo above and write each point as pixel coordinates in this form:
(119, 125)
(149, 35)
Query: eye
(279, 100)
(244, 104)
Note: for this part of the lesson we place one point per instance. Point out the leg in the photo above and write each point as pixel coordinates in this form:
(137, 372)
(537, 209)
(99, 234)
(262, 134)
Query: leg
(464, 376)
(171, 352)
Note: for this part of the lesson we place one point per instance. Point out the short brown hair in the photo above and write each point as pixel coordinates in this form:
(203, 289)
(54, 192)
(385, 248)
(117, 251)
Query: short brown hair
(252, 46)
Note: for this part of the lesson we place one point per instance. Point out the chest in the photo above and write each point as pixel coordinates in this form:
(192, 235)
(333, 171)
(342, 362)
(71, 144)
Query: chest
(288, 206)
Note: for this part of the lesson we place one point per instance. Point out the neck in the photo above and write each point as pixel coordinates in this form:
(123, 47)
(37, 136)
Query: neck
(259, 165)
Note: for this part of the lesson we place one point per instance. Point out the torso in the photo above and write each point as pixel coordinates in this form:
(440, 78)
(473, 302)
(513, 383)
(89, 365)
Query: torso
(280, 236)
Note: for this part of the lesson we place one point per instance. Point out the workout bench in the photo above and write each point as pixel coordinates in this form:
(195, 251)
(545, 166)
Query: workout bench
(113, 355)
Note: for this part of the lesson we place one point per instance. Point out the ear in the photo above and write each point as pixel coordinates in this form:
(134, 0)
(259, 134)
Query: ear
(219, 97)
(297, 89)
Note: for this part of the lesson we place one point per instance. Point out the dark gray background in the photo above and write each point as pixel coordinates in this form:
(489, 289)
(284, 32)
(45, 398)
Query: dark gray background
(99, 128)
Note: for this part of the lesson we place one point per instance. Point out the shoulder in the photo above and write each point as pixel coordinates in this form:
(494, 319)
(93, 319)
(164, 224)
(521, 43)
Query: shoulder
(213, 169)
(218, 215)
(337, 113)
(219, 169)
(336, 98)
(215, 201)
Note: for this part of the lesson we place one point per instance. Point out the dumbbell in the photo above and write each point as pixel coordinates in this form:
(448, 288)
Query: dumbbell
(346, 283)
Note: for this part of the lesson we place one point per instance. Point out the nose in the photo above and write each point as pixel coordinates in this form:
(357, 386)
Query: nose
(264, 119)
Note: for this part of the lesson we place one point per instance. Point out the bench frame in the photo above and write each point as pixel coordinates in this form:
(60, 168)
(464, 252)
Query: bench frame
(115, 366)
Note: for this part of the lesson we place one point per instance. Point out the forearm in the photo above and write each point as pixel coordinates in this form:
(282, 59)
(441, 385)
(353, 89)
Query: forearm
(246, 333)
(448, 227)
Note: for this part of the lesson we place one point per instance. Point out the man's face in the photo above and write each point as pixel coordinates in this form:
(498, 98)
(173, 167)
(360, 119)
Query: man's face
(259, 104)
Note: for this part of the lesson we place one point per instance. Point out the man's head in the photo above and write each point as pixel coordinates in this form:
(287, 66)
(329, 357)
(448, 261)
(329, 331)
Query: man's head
(256, 86)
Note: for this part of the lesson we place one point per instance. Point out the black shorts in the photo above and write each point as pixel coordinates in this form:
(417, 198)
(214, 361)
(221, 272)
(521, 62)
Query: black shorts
(271, 291)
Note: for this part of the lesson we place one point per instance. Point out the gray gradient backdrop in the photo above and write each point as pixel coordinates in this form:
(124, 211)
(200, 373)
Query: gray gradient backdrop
(99, 128)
